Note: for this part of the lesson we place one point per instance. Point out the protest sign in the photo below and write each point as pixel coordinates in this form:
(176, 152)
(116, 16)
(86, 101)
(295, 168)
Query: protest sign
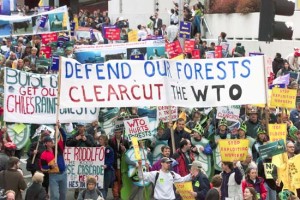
(233, 150)
(136, 148)
(126, 83)
(230, 113)
(46, 22)
(218, 51)
(271, 149)
(82, 162)
(48, 38)
(138, 127)
(112, 33)
(185, 29)
(285, 98)
(55, 63)
(179, 57)
(268, 167)
(209, 54)
(196, 54)
(133, 36)
(173, 49)
(185, 188)
(294, 169)
(277, 132)
(32, 98)
(45, 51)
(189, 46)
(163, 113)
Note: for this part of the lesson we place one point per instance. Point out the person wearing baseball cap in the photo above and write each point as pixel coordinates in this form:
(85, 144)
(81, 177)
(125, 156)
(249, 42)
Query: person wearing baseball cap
(252, 123)
(163, 179)
(200, 181)
(81, 138)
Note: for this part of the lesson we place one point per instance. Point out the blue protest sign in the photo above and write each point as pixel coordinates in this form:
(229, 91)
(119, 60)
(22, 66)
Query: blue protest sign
(55, 63)
(72, 27)
(43, 21)
(185, 29)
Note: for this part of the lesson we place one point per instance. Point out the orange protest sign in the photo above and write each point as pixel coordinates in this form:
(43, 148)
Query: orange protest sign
(233, 150)
(277, 132)
(285, 98)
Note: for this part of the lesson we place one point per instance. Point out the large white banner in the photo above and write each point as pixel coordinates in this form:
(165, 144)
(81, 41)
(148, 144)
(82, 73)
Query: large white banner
(83, 162)
(32, 98)
(192, 83)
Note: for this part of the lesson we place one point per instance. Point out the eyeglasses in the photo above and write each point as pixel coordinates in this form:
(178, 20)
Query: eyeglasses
(291, 147)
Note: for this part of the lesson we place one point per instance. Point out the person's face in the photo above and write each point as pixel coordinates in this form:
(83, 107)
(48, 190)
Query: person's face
(253, 117)
(261, 137)
(298, 135)
(241, 133)
(247, 194)
(33, 52)
(248, 159)
(166, 153)
(118, 133)
(196, 117)
(91, 186)
(101, 141)
(81, 129)
(222, 128)
(49, 144)
(188, 146)
(286, 65)
(180, 125)
(160, 131)
(290, 147)
(224, 167)
(253, 174)
(10, 196)
(166, 165)
(20, 63)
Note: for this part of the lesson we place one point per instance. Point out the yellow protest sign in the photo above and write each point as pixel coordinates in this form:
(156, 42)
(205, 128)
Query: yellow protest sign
(76, 22)
(184, 189)
(65, 19)
(294, 171)
(277, 132)
(133, 36)
(285, 98)
(18, 128)
(268, 167)
(232, 150)
(136, 148)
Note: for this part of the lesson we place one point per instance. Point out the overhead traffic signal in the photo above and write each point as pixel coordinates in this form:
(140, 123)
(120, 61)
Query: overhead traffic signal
(270, 29)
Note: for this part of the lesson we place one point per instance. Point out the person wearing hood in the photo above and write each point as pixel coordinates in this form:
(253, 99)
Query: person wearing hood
(277, 63)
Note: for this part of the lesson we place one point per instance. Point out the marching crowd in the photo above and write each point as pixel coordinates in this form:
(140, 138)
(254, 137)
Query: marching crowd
(196, 134)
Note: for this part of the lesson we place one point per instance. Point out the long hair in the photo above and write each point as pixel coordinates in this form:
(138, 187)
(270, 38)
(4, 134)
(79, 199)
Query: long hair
(247, 172)
(253, 192)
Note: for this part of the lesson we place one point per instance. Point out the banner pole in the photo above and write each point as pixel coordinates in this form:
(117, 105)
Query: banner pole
(145, 191)
(266, 96)
(36, 148)
(171, 129)
(58, 108)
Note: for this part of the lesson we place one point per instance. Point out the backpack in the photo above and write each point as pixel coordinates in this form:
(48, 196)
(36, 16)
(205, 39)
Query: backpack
(100, 197)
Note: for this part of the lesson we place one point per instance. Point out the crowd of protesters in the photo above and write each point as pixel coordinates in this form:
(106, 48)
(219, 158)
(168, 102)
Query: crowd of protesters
(233, 180)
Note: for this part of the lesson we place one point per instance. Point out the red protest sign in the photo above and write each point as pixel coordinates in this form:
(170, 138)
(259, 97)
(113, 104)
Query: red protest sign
(49, 37)
(112, 33)
(196, 54)
(218, 51)
(173, 49)
(46, 50)
(189, 46)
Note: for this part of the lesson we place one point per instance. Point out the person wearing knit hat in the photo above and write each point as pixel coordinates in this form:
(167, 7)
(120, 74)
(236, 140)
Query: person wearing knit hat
(203, 148)
(242, 134)
(91, 191)
(260, 140)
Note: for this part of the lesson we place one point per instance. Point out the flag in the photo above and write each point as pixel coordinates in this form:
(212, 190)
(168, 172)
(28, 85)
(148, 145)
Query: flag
(282, 80)
(41, 3)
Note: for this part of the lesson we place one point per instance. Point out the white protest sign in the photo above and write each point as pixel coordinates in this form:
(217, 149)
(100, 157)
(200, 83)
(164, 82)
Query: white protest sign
(32, 98)
(82, 162)
(164, 114)
(138, 127)
(193, 83)
(230, 113)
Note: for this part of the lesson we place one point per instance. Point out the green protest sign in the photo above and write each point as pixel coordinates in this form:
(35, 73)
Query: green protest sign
(272, 149)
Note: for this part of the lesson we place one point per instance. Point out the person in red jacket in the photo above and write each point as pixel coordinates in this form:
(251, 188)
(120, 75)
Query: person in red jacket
(252, 180)
(184, 156)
